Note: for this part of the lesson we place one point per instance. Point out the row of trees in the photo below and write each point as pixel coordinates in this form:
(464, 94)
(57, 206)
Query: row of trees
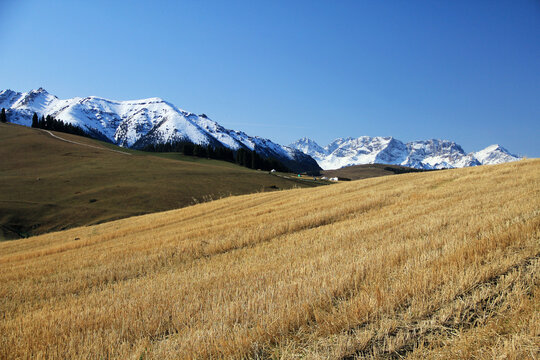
(251, 159)
(50, 123)
(189, 148)
(243, 157)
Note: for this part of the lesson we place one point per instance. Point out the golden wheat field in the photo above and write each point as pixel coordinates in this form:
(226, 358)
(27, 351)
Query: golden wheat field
(430, 265)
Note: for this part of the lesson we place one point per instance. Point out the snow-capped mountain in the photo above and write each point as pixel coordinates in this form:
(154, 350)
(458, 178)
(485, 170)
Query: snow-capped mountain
(494, 154)
(424, 154)
(136, 123)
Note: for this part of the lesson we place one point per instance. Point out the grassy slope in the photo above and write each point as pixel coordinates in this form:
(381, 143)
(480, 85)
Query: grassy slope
(48, 184)
(440, 264)
(358, 172)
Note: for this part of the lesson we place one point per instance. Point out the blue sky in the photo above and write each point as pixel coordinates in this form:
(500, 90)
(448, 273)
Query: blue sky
(467, 71)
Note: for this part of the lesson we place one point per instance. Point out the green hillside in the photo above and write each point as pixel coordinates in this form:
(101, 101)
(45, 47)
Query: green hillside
(49, 184)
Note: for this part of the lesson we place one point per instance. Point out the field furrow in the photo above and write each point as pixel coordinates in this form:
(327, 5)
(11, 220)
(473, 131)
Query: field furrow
(408, 265)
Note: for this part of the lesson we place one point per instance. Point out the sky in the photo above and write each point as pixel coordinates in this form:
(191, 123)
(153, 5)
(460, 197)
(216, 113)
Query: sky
(467, 71)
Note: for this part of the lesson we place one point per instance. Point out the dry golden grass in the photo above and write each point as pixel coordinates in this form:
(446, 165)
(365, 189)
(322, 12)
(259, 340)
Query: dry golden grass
(419, 265)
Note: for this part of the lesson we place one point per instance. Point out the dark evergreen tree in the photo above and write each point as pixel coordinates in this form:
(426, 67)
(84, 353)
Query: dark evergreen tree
(35, 121)
(254, 164)
(241, 157)
(49, 125)
(187, 149)
(247, 159)
(200, 151)
(3, 116)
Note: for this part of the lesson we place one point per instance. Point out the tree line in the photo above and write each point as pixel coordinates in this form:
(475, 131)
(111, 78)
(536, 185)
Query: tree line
(243, 157)
(50, 123)
(191, 149)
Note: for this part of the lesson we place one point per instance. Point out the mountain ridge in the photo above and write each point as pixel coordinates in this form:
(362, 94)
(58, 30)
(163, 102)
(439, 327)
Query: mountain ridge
(420, 154)
(136, 123)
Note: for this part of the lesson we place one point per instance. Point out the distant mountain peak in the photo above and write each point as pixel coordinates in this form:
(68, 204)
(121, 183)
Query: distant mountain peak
(423, 154)
(495, 147)
(308, 146)
(494, 154)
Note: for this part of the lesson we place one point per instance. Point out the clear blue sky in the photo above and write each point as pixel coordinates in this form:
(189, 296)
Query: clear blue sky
(467, 71)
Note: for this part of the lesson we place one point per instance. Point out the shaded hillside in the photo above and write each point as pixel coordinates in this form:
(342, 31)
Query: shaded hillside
(441, 264)
(48, 184)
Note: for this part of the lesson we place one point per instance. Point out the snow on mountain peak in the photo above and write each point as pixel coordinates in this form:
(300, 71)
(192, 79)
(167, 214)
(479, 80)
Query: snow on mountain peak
(422, 154)
(308, 146)
(494, 154)
(8, 97)
(137, 123)
(494, 147)
(40, 91)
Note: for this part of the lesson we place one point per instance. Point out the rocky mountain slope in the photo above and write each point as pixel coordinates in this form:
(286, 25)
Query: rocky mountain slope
(424, 154)
(137, 123)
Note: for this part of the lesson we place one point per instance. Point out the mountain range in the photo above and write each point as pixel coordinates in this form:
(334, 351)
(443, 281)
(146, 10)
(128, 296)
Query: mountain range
(137, 123)
(423, 154)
